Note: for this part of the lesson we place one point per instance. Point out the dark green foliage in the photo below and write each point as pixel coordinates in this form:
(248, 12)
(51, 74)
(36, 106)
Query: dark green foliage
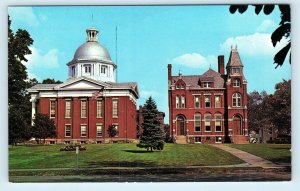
(281, 103)
(112, 131)
(43, 128)
(51, 81)
(284, 29)
(19, 107)
(267, 111)
(151, 137)
(19, 128)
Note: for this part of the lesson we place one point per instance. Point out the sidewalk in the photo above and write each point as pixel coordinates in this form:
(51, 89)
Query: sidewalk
(251, 159)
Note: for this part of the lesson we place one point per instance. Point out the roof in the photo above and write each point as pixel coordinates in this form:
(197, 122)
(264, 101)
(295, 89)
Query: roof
(234, 58)
(194, 81)
(108, 85)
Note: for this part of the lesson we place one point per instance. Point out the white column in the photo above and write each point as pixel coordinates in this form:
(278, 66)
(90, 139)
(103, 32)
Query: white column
(33, 111)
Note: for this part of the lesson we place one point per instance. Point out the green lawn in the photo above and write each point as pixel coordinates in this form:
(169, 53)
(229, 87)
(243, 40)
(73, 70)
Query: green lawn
(40, 157)
(277, 153)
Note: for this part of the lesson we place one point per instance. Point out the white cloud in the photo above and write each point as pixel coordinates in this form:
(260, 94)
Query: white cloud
(38, 60)
(265, 25)
(194, 60)
(23, 14)
(252, 45)
(147, 93)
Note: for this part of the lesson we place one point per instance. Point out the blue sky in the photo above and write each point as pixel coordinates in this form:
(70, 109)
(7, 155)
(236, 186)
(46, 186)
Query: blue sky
(149, 38)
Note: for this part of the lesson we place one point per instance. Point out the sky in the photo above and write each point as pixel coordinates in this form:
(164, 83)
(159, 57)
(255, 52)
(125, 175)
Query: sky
(151, 37)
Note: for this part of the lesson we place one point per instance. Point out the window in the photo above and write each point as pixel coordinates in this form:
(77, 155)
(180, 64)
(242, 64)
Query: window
(218, 139)
(73, 71)
(99, 108)
(99, 130)
(235, 70)
(177, 101)
(236, 83)
(83, 131)
(197, 122)
(52, 109)
(197, 139)
(115, 108)
(83, 108)
(68, 109)
(87, 69)
(236, 100)
(103, 69)
(67, 130)
(197, 101)
(82, 142)
(207, 100)
(207, 122)
(217, 101)
(218, 122)
(52, 142)
(207, 85)
(182, 101)
(177, 86)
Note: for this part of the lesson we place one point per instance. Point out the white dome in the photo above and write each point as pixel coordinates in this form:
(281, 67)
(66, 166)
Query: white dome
(92, 50)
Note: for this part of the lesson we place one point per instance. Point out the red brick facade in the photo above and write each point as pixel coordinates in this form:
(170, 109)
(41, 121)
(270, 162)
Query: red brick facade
(209, 108)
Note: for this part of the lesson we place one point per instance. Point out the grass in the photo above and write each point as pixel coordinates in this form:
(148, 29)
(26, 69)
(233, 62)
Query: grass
(118, 155)
(277, 153)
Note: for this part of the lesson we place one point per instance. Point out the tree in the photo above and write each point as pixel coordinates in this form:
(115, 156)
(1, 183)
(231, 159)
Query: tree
(18, 48)
(281, 104)
(283, 31)
(151, 137)
(112, 131)
(19, 107)
(43, 127)
(51, 81)
(19, 128)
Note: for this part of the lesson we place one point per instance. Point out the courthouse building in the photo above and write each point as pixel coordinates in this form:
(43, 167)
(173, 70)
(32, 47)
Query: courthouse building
(90, 100)
(209, 108)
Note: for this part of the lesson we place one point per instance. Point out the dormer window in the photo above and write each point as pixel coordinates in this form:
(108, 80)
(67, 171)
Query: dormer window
(235, 71)
(207, 85)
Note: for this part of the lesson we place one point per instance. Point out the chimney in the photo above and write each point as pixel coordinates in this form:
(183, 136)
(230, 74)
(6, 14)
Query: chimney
(169, 72)
(221, 64)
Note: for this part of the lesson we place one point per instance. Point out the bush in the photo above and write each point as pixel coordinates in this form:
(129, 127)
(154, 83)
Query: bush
(72, 148)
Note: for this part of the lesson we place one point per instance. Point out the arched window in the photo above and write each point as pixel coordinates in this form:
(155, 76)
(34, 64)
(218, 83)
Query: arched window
(236, 100)
(218, 122)
(197, 122)
(207, 119)
(177, 101)
(183, 101)
(236, 82)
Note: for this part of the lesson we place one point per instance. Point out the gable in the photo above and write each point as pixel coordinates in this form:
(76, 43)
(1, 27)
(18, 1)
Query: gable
(82, 84)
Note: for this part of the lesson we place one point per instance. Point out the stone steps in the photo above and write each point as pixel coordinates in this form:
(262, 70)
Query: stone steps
(181, 140)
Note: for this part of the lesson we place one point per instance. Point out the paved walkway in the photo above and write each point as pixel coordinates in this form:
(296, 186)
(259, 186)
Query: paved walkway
(247, 157)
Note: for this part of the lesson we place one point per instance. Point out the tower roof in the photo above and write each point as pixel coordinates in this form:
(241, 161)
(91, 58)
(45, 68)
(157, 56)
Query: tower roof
(234, 59)
(92, 49)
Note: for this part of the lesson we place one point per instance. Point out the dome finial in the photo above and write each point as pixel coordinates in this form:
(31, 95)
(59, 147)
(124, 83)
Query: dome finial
(92, 34)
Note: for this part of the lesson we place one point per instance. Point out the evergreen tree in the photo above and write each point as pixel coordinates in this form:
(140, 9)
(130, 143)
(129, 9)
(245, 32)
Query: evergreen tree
(43, 127)
(151, 137)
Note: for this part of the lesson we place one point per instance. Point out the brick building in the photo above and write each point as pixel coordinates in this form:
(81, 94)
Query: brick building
(90, 100)
(209, 108)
